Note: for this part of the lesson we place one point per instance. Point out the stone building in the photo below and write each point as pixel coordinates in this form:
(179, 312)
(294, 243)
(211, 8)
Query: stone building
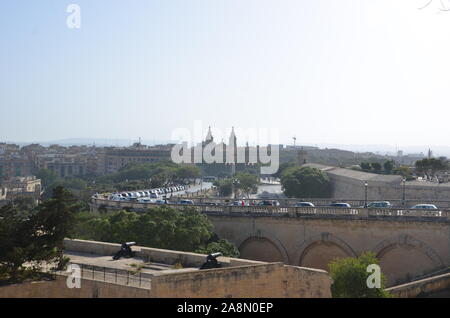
(14, 161)
(112, 159)
(64, 165)
(349, 184)
(15, 187)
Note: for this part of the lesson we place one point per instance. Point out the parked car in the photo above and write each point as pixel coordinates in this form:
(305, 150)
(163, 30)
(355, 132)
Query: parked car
(161, 201)
(424, 207)
(211, 203)
(340, 205)
(153, 195)
(380, 205)
(145, 200)
(186, 202)
(269, 203)
(304, 204)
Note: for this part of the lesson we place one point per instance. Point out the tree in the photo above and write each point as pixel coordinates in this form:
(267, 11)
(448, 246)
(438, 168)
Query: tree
(47, 177)
(305, 182)
(405, 172)
(350, 276)
(185, 173)
(224, 186)
(366, 166)
(31, 237)
(388, 166)
(247, 182)
(283, 167)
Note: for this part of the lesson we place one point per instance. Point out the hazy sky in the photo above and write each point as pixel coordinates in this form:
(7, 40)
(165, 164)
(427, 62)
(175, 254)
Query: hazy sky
(361, 72)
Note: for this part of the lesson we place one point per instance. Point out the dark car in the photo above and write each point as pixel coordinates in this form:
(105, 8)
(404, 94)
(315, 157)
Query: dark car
(269, 203)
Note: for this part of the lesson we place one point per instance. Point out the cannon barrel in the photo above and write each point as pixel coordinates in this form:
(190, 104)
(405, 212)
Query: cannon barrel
(125, 251)
(214, 255)
(211, 261)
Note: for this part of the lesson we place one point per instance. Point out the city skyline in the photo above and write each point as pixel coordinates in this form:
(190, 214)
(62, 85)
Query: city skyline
(381, 149)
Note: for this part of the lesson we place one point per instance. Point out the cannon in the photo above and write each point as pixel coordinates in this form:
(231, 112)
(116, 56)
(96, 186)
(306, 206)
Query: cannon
(125, 251)
(211, 261)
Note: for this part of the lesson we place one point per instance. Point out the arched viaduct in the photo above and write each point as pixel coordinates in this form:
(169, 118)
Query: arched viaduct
(408, 243)
(406, 249)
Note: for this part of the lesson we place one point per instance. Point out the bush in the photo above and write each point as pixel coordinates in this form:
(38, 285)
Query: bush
(350, 278)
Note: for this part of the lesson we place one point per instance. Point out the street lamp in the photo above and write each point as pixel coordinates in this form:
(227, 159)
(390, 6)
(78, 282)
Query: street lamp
(235, 183)
(404, 191)
(365, 193)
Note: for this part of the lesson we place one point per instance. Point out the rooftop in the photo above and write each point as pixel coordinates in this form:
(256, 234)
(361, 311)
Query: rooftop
(355, 174)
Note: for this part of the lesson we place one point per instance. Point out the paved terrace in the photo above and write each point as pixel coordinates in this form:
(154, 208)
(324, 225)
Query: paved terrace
(96, 263)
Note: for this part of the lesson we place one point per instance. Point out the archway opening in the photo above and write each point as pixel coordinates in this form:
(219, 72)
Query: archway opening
(260, 249)
(401, 263)
(320, 254)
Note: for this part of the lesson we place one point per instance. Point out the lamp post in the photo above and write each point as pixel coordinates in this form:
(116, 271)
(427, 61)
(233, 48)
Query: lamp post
(365, 193)
(235, 183)
(404, 191)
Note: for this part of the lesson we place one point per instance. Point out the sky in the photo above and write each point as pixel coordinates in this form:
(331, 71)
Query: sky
(325, 71)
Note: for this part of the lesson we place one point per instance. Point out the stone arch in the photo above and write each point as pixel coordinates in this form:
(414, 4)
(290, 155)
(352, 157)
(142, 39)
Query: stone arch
(319, 250)
(404, 257)
(263, 246)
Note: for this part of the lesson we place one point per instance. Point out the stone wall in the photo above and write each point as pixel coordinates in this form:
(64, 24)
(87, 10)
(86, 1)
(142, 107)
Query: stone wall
(422, 287)
(239, 278)
(58, 289)
(264, 280)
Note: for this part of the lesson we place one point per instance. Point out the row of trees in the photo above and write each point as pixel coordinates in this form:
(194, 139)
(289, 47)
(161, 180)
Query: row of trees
(159, 173)
(160, 227)
(375, 167)
(432, 166)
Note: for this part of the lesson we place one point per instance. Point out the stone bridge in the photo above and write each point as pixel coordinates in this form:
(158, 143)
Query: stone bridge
(408, 243)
